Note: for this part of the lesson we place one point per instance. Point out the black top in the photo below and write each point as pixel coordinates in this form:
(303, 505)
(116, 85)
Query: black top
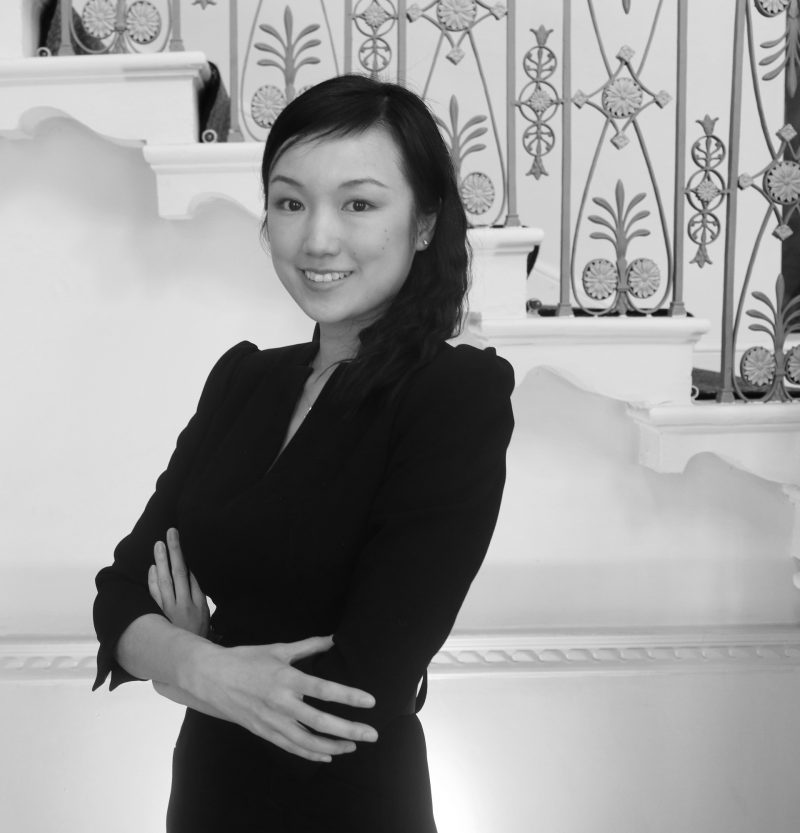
(370, 525)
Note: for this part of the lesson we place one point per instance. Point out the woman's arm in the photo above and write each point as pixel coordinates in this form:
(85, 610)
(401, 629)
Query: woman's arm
(122, 595)
(256, 686)
(430, 527)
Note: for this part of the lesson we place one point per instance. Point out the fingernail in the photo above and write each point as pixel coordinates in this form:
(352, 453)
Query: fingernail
(370, 735)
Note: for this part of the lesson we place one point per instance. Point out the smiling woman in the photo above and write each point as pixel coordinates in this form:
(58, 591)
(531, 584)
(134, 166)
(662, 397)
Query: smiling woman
(334, 498)
(343, 228)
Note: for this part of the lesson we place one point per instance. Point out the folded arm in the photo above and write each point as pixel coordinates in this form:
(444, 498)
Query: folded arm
(432, 522)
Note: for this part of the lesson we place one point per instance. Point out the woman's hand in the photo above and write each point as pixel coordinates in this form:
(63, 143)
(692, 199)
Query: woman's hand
(175, 590)
(253, 686)
(257, 687)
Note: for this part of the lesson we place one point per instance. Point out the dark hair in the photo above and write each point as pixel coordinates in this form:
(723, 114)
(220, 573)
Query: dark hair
(430, 306)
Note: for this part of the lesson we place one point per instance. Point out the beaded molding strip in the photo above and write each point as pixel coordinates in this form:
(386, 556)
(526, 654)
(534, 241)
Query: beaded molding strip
(583, 652)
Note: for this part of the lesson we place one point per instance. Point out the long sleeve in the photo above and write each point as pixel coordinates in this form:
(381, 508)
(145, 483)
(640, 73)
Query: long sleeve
(431, 524)
(122, 593)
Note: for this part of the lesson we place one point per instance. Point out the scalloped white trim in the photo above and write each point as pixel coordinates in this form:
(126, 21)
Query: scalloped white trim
(127, 98)
(762, 438)
(530, 653)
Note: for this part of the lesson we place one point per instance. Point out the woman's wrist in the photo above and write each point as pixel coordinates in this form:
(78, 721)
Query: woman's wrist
(196, 654)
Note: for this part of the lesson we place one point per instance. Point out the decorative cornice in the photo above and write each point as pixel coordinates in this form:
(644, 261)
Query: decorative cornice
(595, 331)
(65, 69)
(47, 659)
(600, 651)
(762, 438)
(521, 653)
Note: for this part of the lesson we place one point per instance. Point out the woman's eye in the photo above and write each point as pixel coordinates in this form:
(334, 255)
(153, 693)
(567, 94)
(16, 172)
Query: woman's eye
(359, 205)
(290, 205)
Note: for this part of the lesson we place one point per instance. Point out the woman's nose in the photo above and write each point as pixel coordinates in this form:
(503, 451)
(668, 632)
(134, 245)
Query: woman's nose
(321, 234)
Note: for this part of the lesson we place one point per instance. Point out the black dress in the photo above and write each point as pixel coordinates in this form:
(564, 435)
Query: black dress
(370, 525)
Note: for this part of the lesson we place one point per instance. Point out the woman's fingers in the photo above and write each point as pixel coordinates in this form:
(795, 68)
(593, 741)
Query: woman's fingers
(292, 651)
(198, 597)
(180, 578)
(164, 575)
(300, 737)
(152, 586)
(334, 692)
(294, 748)
(331, 725)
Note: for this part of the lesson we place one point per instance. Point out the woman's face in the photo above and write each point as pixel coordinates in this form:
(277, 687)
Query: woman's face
(342, 227)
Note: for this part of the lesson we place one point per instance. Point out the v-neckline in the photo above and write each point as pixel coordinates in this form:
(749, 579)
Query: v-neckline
(288, 445)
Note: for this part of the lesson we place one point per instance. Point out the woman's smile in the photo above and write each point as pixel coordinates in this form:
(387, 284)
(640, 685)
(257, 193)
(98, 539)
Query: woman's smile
(325, 277)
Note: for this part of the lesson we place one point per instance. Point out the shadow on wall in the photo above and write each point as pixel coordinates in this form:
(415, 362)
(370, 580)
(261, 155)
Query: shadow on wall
(588, 537)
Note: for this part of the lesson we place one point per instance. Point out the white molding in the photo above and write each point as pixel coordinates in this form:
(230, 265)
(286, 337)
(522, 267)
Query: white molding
(189, 175)
(127, 97)
(499, 274)
(534, 329)
(762, 438)
(640, 360)
(47, 659)
(603, 651)
(527, 653)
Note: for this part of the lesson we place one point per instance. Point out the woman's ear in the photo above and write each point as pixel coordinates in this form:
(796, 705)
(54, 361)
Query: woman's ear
(426, 227)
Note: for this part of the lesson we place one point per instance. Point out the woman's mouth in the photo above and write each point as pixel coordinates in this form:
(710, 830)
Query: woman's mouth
(325, 277)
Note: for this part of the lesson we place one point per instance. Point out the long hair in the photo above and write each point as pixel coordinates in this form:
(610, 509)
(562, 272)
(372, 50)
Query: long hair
(430, 305)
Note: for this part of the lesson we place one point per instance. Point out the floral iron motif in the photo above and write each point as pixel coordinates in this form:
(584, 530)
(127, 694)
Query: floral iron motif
(769, 369)
(455, 19)
(622, 98)
(477, 190)
(788, 43)
(539, 102)
(374, 20)
(779, 182)
(706, 190)
(287, 56)
(129, 26)
(266, 104)
(602, 278)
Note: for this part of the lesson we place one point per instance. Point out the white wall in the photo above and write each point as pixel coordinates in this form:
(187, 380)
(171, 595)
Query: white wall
(109, 321)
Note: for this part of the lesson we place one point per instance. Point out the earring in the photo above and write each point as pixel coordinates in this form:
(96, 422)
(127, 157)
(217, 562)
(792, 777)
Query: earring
(424, 243)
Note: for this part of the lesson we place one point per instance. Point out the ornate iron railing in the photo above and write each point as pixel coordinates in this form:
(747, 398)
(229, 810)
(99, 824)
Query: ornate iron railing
(622, 247)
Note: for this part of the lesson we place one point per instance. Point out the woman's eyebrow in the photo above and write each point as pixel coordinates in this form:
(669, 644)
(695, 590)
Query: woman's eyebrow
(351, 183)
(287, 179)
(364, 181)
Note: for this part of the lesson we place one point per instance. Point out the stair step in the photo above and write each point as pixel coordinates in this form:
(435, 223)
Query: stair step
(141, 98)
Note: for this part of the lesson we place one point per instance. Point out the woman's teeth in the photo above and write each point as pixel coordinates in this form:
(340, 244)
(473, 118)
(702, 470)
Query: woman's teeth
(324, 277)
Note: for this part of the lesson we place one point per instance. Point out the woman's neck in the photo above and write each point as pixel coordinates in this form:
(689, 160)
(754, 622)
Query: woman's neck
(334, 347)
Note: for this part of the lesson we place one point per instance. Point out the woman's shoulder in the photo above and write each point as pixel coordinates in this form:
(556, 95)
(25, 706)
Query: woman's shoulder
(241, 366)
(246, 355)
(461, 375)
(465, 365)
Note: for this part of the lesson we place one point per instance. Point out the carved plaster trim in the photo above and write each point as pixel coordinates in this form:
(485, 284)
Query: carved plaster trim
(760, 438)
(521, 653)
(598, 651)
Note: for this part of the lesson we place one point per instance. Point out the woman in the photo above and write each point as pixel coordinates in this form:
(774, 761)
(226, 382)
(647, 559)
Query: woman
(348, 486)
